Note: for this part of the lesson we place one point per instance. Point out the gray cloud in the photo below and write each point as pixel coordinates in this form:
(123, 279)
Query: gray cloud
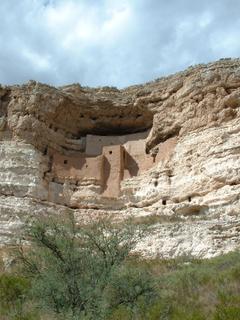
(112, 42)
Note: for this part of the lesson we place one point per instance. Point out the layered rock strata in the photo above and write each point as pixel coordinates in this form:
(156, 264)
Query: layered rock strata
(166, 153)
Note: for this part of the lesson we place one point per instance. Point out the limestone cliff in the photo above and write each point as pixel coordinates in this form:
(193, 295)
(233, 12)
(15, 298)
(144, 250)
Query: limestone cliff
(166, 152)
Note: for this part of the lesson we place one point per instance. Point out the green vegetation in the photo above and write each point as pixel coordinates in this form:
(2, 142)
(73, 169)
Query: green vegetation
(76, 272)
(81, 272)
(14, 298)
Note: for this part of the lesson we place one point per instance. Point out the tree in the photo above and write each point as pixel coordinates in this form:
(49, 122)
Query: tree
(81, 270)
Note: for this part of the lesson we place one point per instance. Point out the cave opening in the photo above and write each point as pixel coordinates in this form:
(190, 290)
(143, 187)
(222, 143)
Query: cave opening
(110, 121)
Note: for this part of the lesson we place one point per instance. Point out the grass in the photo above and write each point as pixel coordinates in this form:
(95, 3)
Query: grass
(188, 289)
(192, 289)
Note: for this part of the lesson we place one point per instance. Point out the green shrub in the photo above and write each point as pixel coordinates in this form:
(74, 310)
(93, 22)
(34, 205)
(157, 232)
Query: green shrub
(227, 313)
(13, 291)
(79, 270)
(121, 313)
(132, 288)
(127, 284)
(187, 314)
(228, 307)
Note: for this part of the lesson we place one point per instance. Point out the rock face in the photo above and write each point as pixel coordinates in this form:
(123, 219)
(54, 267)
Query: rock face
(166, 153)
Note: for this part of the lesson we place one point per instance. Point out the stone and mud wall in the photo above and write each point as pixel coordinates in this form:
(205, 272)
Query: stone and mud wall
(106, 161)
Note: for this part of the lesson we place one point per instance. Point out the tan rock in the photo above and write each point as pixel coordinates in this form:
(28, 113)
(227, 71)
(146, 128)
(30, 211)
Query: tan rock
(85, 149)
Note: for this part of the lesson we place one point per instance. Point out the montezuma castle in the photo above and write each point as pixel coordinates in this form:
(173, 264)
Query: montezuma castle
(104, 161)
(166, 153)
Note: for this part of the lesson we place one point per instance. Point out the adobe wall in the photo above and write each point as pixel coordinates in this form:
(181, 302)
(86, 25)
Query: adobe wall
(77, 167)
(95, 144)
(136, 164)
(136, 161)
(113, 170)
(117, 162)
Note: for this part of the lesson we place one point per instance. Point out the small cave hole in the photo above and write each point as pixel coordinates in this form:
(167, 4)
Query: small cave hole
(93, 118)
(50, 126)
(164, 202)
(189, 199)
(110, 152)
(65, 161)
(86, 166)
(81, 116)
(45, 151)
(155, 183)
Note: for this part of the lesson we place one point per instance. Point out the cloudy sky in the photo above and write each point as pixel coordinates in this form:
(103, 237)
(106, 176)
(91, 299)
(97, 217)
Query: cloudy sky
(112, 42)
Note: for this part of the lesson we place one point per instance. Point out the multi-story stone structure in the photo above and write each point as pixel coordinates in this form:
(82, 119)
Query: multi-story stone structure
(106, 161)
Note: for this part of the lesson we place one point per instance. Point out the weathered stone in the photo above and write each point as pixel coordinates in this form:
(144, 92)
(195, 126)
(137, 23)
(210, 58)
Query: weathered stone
(167, 151)
(2, 123)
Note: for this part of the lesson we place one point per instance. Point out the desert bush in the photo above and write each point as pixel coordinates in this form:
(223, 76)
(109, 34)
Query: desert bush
(131, 287)
(80, 271)
(14, 291)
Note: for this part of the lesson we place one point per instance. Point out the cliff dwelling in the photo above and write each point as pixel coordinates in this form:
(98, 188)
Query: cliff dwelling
(85, 150)
(106, 161)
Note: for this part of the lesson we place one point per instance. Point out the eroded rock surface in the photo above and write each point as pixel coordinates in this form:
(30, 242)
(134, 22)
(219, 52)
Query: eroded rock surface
(166, 153)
